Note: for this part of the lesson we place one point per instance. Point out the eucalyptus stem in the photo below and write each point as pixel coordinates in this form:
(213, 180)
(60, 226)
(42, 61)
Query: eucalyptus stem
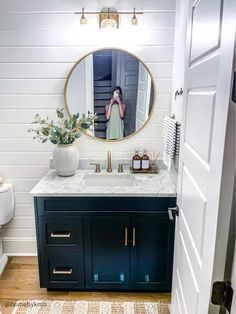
(65, 130)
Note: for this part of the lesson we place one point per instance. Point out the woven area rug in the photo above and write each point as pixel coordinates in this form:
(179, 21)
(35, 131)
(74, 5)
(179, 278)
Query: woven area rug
(84, 307)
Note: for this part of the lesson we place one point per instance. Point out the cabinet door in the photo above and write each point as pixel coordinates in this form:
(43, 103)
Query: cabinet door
(107, 253)
(151, 252)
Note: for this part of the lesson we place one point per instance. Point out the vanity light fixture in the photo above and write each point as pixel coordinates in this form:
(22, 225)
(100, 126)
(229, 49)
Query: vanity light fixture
(109, 18)
(134, 20)
(83, 20)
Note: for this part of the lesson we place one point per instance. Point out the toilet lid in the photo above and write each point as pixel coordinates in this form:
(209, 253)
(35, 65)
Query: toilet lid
(5, 187)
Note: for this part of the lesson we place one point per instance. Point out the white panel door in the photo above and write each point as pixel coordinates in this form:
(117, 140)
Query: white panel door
(208, 69)
(143, 97)
(127, 78)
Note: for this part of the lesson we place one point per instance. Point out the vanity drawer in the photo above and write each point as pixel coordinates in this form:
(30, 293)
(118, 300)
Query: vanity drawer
(75, 205)
(64, 270)
(61, 233)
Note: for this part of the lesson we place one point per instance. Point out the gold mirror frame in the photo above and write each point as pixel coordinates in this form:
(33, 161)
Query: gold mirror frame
(154, 93)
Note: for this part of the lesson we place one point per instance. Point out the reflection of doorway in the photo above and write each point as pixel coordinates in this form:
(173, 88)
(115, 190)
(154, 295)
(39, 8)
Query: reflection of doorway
(102, 69)
(144, 96)
(127, 79)
(112, 68)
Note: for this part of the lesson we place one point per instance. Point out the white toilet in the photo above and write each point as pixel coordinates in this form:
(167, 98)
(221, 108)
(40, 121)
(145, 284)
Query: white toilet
(6, 214)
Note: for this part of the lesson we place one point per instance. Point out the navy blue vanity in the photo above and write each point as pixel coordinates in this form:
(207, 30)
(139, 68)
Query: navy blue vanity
(105, 243)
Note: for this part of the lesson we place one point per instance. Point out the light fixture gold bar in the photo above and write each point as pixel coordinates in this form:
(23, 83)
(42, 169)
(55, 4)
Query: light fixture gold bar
(106, 12)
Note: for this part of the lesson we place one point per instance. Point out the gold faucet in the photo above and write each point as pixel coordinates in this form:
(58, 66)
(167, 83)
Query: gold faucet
(109, 168)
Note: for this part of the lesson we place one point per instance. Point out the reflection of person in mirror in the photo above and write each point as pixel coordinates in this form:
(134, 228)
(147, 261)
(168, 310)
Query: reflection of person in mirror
(114, 113)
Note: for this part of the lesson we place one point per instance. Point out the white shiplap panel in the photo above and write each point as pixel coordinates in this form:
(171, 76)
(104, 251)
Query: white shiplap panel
(19, 246)
(163, 101)
(18, 233)
(14, 130)
(35, 70)
(73, 54)
(31, 101)
(31, 86)
(72, 21)
(11, 171)
(23, 145)
(89, 37)
(73, 5)
(149, 143)
(24, 116)
(23, 158)
(21, 223)
(22, 210)
(23, 198)
(160, 70)
(23, 184)
(163, 86)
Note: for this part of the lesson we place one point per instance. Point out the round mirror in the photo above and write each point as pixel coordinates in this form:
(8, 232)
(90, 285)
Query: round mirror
(115, 85)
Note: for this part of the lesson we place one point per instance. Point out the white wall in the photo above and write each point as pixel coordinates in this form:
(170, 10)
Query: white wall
(37, 51)
(179, 57)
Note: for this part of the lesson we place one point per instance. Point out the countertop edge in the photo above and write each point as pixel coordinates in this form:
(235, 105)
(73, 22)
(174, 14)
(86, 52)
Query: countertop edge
(103, 195)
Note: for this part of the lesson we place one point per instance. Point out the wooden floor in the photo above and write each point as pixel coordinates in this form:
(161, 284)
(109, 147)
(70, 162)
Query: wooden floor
(20, 281)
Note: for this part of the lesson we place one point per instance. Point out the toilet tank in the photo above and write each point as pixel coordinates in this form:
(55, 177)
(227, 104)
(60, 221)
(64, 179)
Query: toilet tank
(6, 203)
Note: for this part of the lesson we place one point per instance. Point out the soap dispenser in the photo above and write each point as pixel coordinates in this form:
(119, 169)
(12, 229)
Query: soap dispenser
(145, 161)
(136, 161)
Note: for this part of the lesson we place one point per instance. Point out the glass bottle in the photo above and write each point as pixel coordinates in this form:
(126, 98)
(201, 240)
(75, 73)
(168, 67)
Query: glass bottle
(136, 161)
(145, 161)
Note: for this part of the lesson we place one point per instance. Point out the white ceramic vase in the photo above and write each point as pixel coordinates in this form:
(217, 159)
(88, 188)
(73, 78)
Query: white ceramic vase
(65, 159)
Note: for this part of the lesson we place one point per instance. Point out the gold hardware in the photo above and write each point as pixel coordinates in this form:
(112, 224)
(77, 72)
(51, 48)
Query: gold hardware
(108, 17)
(98, 168)
(62, 272)
(134, 237)
(120, 167)
(109, 168)
(60, 235)
(126, 236)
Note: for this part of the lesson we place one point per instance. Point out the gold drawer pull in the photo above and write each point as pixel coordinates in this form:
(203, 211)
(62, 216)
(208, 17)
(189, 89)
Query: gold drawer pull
(60, 235)
(126, 236)
(134, 237)
(62, 272)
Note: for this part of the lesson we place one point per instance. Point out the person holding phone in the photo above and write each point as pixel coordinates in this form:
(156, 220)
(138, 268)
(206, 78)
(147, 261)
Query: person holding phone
(114, 113)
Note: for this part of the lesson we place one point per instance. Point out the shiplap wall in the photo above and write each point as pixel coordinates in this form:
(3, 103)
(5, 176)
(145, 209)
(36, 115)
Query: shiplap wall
(38, 46)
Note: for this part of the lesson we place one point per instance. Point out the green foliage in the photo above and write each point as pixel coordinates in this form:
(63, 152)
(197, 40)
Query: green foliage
(65, 130)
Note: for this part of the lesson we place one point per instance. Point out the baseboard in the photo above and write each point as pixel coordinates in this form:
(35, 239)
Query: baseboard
(19, 246)
(3, 263)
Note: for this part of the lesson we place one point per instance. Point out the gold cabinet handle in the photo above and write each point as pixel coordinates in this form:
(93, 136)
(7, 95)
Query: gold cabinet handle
(134, 236)
(60, 235)
(62, 272)
(126, 236)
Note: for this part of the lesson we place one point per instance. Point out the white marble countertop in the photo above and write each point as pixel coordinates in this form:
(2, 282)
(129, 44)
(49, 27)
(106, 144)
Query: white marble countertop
(155, 185)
